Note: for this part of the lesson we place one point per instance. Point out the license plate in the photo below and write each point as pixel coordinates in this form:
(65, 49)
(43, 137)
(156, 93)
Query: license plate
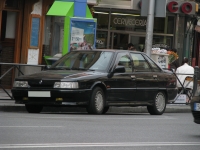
(39, 94)
(196, 106)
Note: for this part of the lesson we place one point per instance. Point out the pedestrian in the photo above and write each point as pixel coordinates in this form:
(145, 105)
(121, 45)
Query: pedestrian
(131, 47)
(182, 72)
(174, 59)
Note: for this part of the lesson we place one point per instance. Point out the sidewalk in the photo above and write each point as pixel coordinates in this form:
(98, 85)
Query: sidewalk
(8, 105)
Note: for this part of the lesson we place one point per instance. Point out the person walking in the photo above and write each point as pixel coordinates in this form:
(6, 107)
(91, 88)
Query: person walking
(182, 72)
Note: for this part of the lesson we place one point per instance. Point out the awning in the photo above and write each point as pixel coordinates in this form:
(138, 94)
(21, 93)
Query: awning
(60, 8)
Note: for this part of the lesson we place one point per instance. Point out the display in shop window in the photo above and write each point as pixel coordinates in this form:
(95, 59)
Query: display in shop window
(160, 56)
(35, 32)
(82, 35)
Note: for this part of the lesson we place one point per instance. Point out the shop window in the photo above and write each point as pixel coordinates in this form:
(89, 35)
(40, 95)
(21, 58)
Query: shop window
(164, 25)
(162, 41)
(102, 19)
(54, 34)
(120, 41)
(8, 24)
(101, 39)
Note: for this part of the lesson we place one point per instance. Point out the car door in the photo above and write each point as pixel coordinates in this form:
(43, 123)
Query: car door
(145, 78)
(123, 88)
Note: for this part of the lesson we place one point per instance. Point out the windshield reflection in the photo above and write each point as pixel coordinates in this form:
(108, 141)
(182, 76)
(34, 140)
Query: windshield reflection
(84, 60)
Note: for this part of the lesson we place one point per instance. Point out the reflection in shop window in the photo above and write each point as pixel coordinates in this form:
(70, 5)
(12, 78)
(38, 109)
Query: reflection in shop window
(102, 20)
(101, 40)
(162, 41)
(164, 25)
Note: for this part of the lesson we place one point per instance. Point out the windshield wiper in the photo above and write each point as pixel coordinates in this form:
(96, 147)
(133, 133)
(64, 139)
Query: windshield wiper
(82, 69)
(59, 68)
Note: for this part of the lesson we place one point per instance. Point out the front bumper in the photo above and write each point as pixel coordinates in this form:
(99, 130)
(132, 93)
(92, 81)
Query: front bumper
(57, 97)
(195, 113)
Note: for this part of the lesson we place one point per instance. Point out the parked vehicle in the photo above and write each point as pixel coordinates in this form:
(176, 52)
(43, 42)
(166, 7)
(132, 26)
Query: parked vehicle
(195, 107)
(98, 79)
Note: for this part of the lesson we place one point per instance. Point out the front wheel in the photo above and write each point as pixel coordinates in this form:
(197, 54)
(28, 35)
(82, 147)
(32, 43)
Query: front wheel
(34, 108)
(159, 104)
(97, 102)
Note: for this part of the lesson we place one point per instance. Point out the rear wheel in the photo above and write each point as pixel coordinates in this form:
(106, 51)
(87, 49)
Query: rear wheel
(97, 102)
(159, 104)
(34, 108)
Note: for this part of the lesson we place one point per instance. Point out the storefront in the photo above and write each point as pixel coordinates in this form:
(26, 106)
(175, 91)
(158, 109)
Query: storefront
(119, 23)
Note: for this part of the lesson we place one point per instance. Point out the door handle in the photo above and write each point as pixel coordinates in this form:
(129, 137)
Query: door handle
(133, 77)
(155, 76)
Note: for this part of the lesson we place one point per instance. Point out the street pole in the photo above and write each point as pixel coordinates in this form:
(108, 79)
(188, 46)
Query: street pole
(150, 24)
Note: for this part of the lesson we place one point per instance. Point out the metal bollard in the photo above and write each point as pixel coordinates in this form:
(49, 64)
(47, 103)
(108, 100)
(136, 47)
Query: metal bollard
(196, 76)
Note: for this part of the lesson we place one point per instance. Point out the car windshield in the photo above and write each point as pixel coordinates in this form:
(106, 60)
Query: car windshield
(84, 60)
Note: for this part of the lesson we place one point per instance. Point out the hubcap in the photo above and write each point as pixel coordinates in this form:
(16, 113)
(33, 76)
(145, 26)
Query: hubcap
(99, 101)
(160, 102)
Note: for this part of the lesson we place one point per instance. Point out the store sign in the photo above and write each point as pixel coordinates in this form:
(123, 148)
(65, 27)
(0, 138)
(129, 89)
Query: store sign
(129, 21)
(181, 7)
(172, 6)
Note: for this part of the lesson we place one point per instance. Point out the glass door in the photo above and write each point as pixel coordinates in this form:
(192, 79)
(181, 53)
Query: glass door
(119, 41)
(138, 41)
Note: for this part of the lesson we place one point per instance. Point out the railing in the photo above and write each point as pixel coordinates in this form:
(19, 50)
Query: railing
(195, 77)
(13, 67)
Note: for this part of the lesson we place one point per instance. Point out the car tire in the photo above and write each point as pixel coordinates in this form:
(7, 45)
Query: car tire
(97, 102)
(105, 110)
(159, 104)
(34, 108)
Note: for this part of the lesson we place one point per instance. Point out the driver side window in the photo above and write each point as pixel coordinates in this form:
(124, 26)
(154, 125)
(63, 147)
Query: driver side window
(125, 61)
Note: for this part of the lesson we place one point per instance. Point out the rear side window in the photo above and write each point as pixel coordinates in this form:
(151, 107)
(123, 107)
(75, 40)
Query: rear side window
(153, 64)
(140, 63)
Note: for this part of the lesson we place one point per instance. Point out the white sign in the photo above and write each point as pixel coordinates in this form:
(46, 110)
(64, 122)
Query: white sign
(77, 35)
(181, 99)
(33, 55)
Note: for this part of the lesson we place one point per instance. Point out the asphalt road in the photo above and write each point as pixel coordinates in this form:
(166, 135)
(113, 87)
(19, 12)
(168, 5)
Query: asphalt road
(73, 131)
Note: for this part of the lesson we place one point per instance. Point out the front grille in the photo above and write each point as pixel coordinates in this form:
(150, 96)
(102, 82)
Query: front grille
(41, 86)
(41, 83)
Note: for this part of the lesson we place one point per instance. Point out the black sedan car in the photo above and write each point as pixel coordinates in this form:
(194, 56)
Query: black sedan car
(98, 79)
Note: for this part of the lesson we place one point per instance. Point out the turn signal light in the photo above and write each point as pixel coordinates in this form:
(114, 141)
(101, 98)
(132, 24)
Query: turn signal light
(25, 98)
(59, 99)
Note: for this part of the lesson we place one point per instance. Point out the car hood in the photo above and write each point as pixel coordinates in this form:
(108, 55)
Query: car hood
(61, 75)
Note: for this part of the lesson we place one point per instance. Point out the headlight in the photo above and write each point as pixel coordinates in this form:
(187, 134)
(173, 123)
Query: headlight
(21, 84)
(68, 85)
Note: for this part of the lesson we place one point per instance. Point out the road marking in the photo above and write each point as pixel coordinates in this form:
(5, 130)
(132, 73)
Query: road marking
(30, 126)
(129, 144)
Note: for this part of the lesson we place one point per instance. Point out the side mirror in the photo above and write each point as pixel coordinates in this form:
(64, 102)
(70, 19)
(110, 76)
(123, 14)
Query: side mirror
(119, 69)
(46, 67)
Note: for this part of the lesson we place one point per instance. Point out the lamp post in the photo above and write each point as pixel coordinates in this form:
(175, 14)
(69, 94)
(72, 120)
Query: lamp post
(150, 24)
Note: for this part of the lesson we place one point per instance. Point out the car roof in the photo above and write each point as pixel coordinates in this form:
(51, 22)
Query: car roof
(111, 50)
